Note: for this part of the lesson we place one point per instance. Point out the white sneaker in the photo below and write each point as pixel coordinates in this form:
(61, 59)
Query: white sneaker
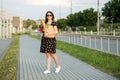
(46, 71)
(58, 69)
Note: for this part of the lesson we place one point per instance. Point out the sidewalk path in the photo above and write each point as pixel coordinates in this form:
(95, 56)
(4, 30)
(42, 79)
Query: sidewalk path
(4, 44)
(32, 64)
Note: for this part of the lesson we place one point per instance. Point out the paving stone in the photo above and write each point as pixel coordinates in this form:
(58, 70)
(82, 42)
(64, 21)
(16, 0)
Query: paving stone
(32, 64)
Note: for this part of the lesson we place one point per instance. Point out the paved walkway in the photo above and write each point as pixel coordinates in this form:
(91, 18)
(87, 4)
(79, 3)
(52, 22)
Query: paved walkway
(32, 64)
(4, 44)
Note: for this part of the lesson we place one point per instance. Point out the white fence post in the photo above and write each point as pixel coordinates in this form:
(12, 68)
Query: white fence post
(85, 40)
(73, 39)
(117, 42)
(108, 44)
(90, 42)
(101, 44)
(81, 40)
(113, 32)
(95, 43)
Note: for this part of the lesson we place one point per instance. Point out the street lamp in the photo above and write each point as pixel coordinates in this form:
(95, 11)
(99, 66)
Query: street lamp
(85, 30)
(112, 23)
(98, 18)
(71, 6)
(60, 11)
(1, 4)
(101, 22)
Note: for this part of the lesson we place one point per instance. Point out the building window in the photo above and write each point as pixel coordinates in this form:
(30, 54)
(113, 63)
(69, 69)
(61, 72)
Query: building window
(5, 21)
(2, 21)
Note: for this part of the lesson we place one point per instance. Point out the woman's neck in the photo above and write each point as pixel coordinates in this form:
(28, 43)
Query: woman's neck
(49, 21)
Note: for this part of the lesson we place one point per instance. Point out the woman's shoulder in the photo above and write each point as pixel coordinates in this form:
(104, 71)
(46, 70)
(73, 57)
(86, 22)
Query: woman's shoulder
(54, 23)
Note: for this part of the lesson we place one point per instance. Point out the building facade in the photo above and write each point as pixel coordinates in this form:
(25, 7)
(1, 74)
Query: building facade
(10, 24)
(6, 27)
(18, 24)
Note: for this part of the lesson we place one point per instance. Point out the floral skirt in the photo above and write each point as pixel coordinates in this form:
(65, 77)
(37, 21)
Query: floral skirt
(48, 45)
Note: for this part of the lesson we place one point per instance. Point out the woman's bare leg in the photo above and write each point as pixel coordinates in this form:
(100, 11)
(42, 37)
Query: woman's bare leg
(55, 59)
(48, 56)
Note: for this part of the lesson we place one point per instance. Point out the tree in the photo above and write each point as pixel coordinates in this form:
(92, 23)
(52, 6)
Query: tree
(89, 17)
(70, 20)
(86, 18)
(61, 23)
(28, 22)
(111, 11)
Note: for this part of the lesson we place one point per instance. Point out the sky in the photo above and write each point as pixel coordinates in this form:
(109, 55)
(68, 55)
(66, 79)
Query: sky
(36, 9)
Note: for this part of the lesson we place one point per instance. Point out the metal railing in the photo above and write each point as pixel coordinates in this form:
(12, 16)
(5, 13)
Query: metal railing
(102, 43)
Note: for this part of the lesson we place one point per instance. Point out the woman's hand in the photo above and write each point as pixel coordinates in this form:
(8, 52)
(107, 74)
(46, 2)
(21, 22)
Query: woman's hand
(46, 34)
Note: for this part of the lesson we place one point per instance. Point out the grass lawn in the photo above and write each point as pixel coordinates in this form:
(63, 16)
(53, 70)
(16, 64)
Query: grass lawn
(8, 65)
(100, 60)
(105, 62)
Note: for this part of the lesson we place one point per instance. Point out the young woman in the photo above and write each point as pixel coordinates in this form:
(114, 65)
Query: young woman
(48, 42)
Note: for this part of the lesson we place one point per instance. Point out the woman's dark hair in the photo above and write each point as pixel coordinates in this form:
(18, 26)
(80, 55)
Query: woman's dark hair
(46, 20)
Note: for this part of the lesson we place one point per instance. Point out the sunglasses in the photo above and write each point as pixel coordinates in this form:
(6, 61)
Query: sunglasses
(49, 15)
